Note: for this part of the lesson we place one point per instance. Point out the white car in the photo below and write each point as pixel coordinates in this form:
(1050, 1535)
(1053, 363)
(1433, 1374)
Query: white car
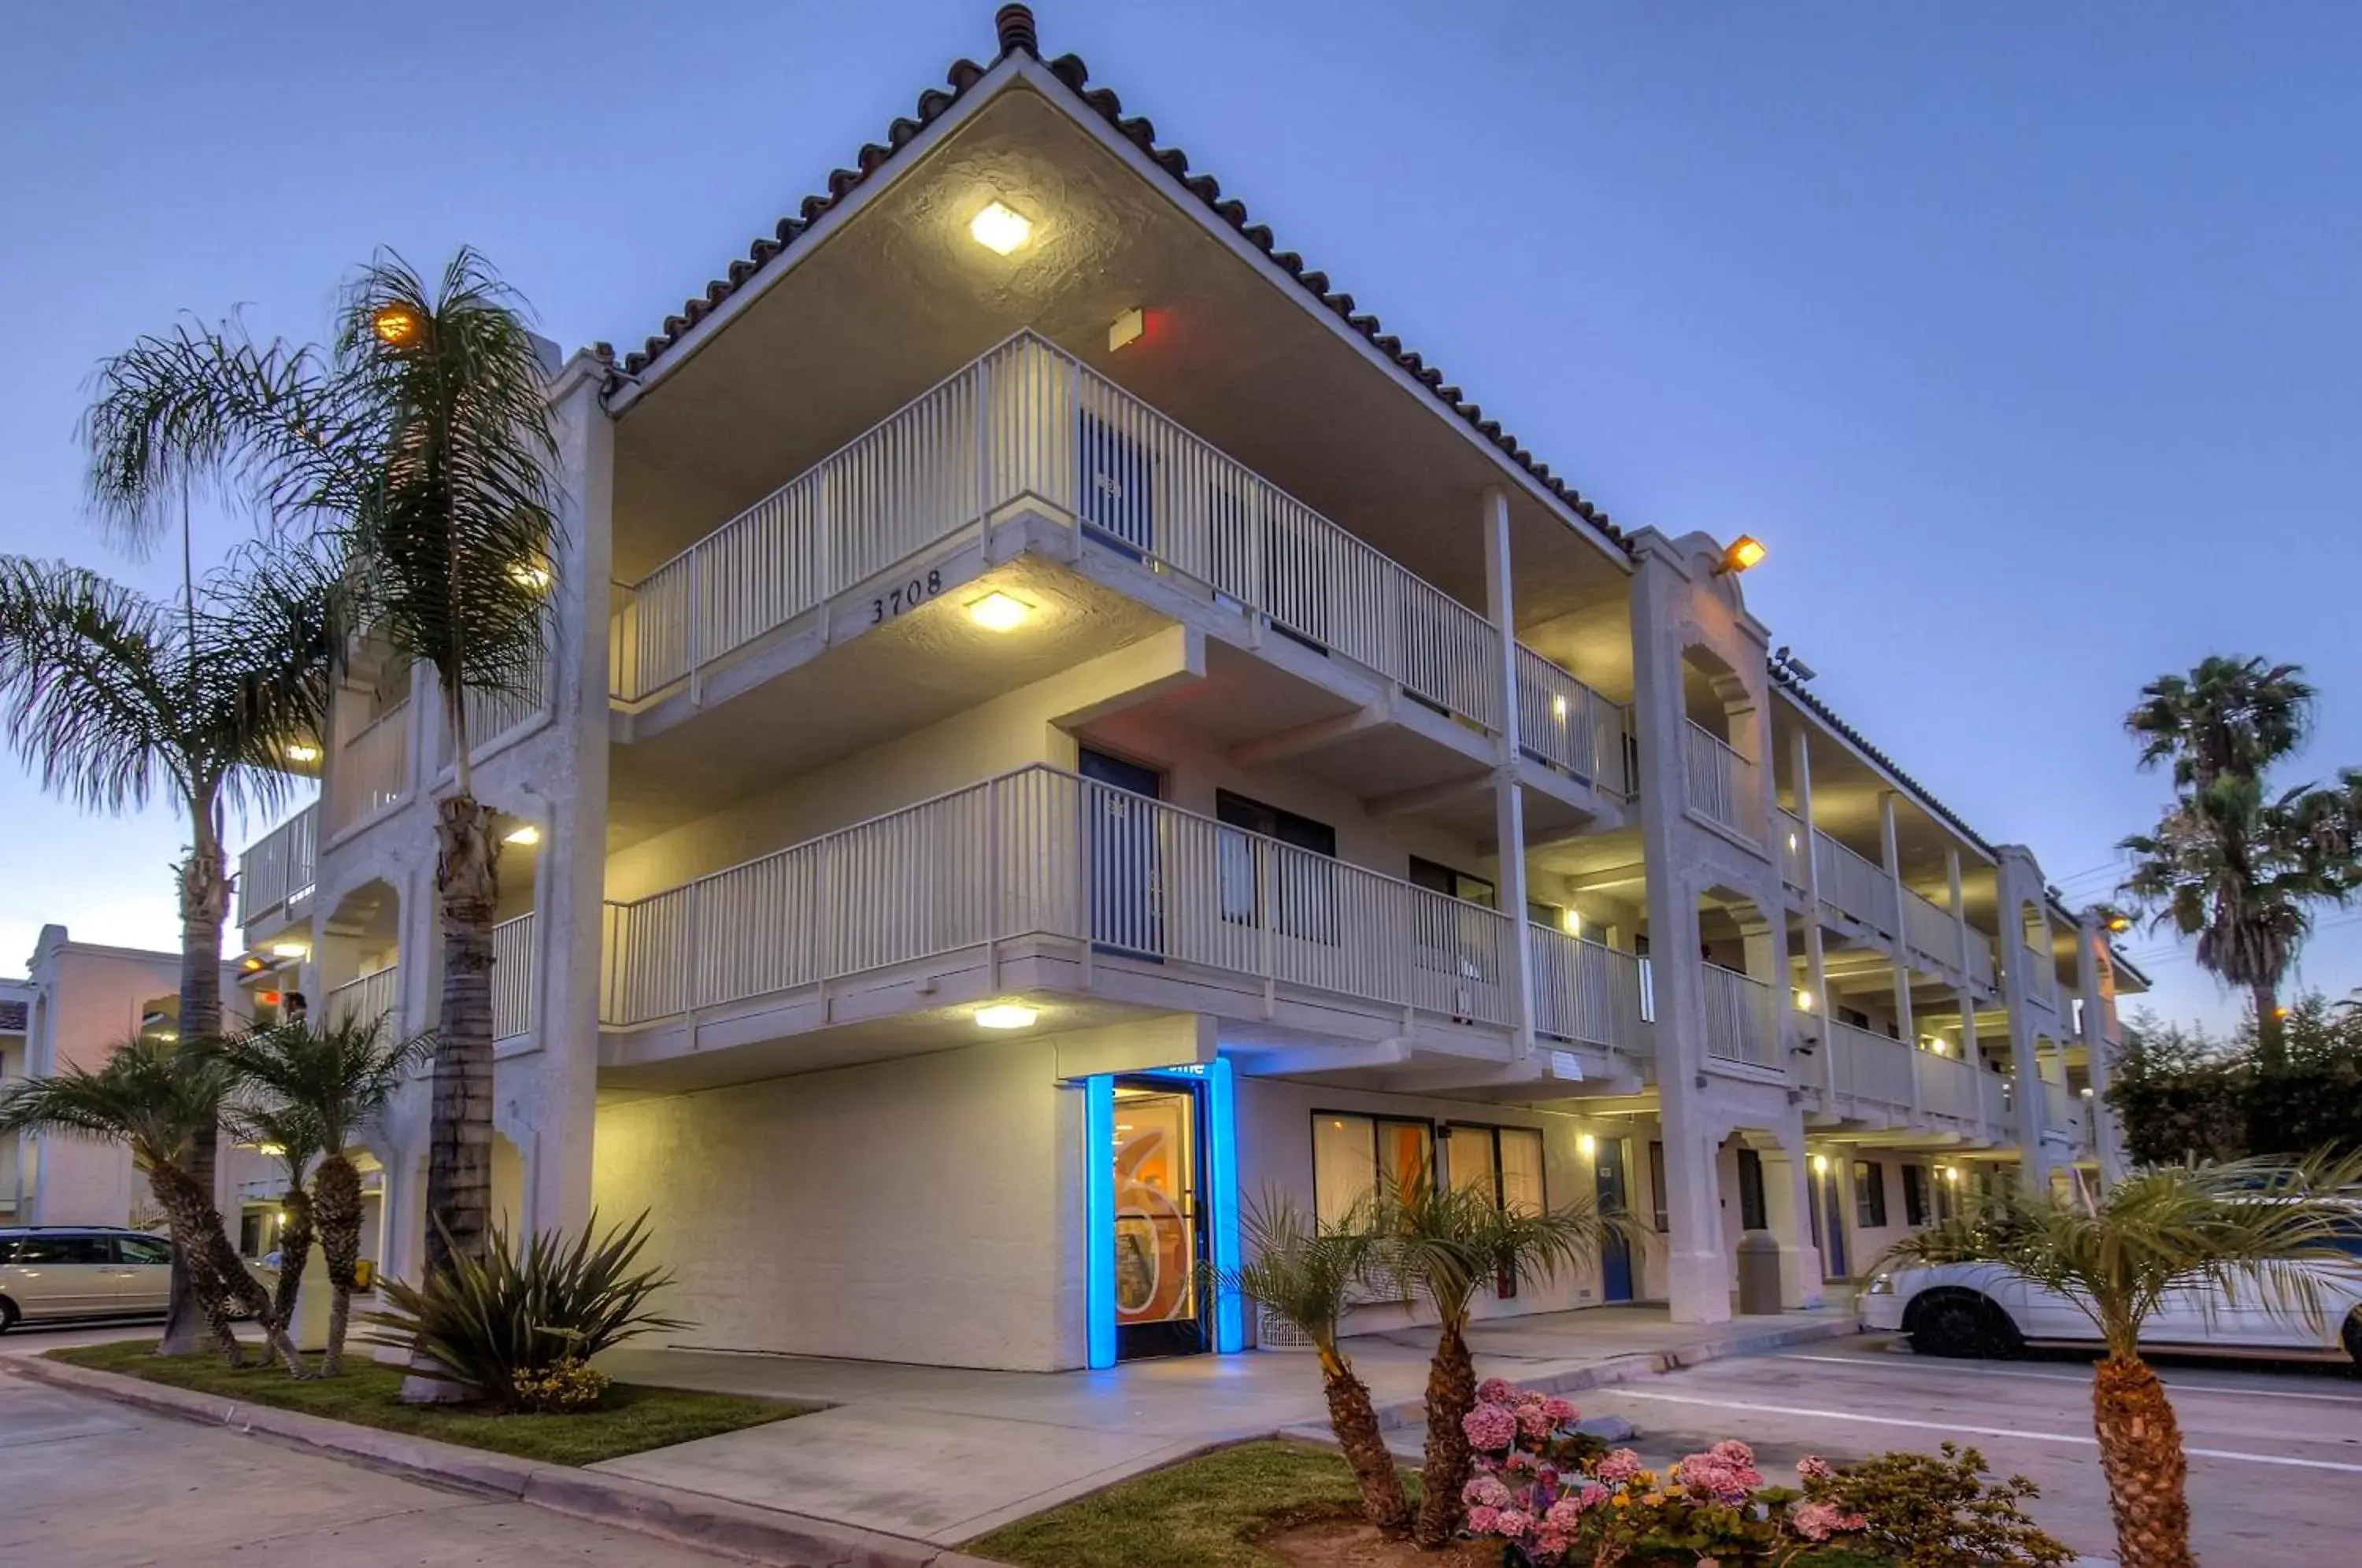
(1983, 1310)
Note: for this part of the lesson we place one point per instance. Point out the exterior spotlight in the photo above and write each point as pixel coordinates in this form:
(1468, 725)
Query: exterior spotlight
(1006, 1015)
(396, 325)
(528, 833)
(1804, 999)
(1000, 229)
(249, 964)
(1744, 551)
(2119, 923)
(300, 752)
(1586, 1145)
(999, 612)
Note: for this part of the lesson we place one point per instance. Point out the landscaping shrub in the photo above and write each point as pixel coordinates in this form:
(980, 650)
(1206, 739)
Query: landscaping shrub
(1926, 1511)
(568, 1384)
(505, 1325)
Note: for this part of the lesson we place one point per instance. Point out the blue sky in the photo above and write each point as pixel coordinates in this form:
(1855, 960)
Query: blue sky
(2027, 335)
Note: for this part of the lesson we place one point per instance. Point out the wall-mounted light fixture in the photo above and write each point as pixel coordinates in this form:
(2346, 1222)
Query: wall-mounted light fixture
(1000, 229)
(1128, 328)
(528, 833)
(1006, 1015)
(1744, 551)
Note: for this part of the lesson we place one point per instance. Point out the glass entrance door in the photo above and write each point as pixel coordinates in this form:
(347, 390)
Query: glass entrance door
(1160, 1220)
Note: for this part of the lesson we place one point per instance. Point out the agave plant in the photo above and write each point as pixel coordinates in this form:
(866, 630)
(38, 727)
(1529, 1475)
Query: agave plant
(486, 1324)
(1305, 1271)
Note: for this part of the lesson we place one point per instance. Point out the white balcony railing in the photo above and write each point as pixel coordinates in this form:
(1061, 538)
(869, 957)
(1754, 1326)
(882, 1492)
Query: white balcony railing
(1044, 854)
(1948, 1087)
(1028, 420)
(371, 770)
(1585, 991)
(512, 977)
(495, 715)
(1994, 1098)
(1742, 1022)
(2037, 974)
(1718, 783)
(1931, 929)
(2063, 1112)
(1870, 1067)
(1980, 957)
(1854, 885)
(277, 869)
(1568, 725)
(1789, 829)
(374, 995)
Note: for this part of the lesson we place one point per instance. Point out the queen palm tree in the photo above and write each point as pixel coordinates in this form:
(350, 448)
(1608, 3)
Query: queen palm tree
(1448, 1243)
(114, 697)
(2247, 1230)
(1305, 1271)
(289, 1134)
(334, 1079)
(157, 1099)
(419, 443)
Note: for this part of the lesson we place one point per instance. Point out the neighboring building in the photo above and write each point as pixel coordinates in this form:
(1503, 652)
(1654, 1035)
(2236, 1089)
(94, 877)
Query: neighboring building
(81, 1001)
(1093, 728)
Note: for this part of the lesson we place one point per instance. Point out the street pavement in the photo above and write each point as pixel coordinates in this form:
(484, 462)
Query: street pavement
(90, 1483)
(2275, 1451)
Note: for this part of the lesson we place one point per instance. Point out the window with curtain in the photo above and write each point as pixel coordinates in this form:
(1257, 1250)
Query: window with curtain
(1351, 1153)
(1503, 1163)
(1869, 1194)
(1302, 874)
(1915, 1195)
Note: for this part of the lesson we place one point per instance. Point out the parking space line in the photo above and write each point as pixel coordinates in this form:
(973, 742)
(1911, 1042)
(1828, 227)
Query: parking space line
(1956, 1428)
(2177, 1386)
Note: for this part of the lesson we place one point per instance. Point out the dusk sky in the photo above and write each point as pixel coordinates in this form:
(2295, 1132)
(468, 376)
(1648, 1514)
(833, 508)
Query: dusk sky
(2029, 338)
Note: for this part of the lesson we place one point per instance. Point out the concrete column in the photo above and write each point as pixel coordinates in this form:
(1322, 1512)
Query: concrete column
(1816, 944)
(570, 900)
(1787, 1193)
(2091, 966)
(2021, 885)
(1508, 800)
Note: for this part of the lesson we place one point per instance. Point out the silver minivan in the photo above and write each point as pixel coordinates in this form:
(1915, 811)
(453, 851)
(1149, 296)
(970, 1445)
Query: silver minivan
(51, 1272)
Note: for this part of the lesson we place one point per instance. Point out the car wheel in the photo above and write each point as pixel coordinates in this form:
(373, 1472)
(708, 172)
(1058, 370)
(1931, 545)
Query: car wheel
(9, 1315)
(2353, 1341)
(1962, 1323)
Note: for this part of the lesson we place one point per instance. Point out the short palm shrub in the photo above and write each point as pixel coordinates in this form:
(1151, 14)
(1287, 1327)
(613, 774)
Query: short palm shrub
(520, 1328)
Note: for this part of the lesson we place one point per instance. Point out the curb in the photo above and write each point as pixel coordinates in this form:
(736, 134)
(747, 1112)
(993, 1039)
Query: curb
(1643, 1364)
(759, 1535)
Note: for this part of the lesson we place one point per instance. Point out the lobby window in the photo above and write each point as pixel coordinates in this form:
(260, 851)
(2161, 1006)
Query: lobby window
(1658, 1216)
(1351, 1153)
(1302, 877)
(1915, 1195)
(1869, 1194)
(1504, 1163)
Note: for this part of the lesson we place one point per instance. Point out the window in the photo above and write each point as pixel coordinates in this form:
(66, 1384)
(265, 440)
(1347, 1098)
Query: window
(1658, 1216)
(33, 1250)
(1854, 1016)
(1451, 939)
(1915, 1195)
(1504, 1162)
(1303, 889)
(1351, 1153)
(1753, 1213)
(1869, 1194)
(1440, 878)
(142, 1249)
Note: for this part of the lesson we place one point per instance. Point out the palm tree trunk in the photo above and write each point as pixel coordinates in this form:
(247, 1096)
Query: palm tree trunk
(205, 905)
(294, 1252)
(2140, 1452)
(1450, 1394)
(1355, 1423)
(459, 1138)
(2271, 1030)
(338, 1186)
(218, 1275)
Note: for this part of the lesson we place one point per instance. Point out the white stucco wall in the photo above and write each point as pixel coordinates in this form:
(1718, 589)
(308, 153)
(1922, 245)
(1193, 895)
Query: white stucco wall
(923, 1209)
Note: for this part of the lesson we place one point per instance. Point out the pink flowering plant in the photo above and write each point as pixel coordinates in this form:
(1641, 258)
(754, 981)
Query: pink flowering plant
(1555, 1497)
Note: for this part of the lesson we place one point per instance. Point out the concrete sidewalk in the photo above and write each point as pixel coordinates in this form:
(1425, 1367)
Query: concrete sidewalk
(942, 1455)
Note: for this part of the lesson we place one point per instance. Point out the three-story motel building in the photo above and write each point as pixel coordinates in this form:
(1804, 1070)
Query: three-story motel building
(1059, 725)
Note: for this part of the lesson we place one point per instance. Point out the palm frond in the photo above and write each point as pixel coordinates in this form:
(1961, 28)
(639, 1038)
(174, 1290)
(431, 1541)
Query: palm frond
(341, 1074)
(147, 1094)
(289, 1133)
(92, 677)
(1300, 1269)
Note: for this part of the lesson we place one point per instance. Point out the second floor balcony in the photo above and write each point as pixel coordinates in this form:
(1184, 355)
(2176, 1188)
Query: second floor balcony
(275, 873)
(1028, 427)
(1043, 879)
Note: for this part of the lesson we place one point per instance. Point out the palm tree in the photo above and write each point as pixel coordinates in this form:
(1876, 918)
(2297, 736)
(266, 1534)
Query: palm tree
(420, 444)
(115, 698)
(2243, 1230)
(2243, 872)
(158, 1099)
(290, 1134)
(334, 1079)
(1305, 1271)
(2226, 716)
(1448, 1243)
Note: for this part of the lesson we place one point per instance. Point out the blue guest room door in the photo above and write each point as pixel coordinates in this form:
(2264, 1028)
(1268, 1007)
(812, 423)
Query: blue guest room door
(1615, 1250)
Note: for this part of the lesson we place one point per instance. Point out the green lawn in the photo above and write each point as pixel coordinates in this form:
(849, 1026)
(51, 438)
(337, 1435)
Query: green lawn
(632, 1416)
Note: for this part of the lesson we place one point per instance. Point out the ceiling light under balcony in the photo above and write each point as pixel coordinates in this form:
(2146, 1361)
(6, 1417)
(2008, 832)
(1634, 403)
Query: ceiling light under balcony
(1000, 229)
(290, 949)
(997, 611)
(1821, 1164)
(1804, 999)
(529, 577)
(299, 752)
(1006, 1015)
(528, 833)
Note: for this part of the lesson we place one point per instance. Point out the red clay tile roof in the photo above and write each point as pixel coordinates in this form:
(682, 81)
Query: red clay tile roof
(1784, 678)
(1014, 25)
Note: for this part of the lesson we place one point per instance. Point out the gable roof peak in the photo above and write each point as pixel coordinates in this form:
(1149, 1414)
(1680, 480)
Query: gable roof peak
(1015, 26)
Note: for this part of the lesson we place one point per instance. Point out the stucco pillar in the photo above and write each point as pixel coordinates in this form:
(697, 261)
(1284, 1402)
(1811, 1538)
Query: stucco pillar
(571, 898)
(1787, 1192)
(2021, 886)
(1508, 799)
(1816, 944)
(2099, 1013)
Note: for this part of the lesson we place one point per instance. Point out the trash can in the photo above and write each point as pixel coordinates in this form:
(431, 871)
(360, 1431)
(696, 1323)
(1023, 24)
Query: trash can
(1759, 1273)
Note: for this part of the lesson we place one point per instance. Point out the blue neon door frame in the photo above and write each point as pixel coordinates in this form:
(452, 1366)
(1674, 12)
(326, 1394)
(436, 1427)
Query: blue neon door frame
(1221, 1199)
